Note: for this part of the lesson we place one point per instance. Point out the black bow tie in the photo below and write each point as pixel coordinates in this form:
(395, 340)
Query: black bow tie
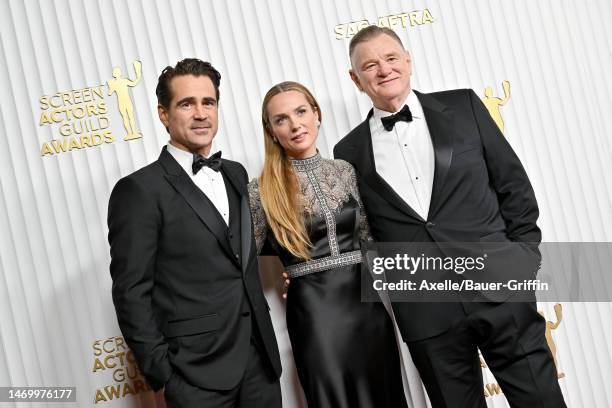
(214, 162)
(389, 121)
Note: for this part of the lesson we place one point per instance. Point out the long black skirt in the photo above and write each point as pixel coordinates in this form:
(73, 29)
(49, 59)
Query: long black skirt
(344, 349)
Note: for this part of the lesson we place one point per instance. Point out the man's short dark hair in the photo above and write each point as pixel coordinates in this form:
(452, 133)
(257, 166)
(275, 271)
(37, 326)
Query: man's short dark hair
(188, 66)
(368, 33)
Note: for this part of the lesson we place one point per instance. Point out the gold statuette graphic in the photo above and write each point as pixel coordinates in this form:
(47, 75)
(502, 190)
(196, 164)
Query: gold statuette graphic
(493, 103)
(550, 326)
(119, 86)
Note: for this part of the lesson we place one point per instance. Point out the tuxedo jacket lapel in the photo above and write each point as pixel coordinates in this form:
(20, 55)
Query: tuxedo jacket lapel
(245, 217)
(196, 199)
(439, 120)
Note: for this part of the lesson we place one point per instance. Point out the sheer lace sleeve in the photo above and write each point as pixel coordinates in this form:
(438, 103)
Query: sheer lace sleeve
(364, 226)
(258, 215)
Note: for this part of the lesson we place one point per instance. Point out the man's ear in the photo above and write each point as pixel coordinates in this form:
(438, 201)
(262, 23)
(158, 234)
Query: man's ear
(162, 112)
(355, 79)
(409, 60)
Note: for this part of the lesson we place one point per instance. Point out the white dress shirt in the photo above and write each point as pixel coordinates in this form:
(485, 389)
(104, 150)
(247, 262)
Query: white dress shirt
(404, 156)
(209, 181)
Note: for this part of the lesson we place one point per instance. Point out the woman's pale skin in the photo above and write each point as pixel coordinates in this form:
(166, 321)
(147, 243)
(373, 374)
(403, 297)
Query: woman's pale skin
(294, 124)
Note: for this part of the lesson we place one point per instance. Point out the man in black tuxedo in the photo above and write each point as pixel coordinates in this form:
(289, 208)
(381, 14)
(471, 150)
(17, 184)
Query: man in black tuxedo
(186, 287)
(435, 168)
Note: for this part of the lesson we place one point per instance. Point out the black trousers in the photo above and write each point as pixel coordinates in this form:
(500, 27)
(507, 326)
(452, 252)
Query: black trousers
(511, 339)
(258, 388)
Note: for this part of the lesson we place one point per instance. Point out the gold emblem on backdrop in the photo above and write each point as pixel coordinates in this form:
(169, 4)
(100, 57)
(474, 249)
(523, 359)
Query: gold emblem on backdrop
(409, 19)
(493, 389)
(550, 326)
(81, 118)
(120, 86)
(494, 103)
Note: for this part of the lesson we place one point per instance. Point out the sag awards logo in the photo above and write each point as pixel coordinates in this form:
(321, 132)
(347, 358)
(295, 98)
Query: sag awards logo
(410, 19)
(493, 103)
(113, 356)
(80, 118)
(493, 389)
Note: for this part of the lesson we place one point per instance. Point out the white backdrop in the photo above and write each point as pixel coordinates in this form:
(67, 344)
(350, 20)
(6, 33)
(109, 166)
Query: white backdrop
(55, 305)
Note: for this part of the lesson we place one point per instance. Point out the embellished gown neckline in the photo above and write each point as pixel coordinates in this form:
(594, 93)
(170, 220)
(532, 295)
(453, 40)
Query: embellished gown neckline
(308, 164)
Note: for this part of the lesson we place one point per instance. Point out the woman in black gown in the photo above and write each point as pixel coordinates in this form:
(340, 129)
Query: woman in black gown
(308, 209)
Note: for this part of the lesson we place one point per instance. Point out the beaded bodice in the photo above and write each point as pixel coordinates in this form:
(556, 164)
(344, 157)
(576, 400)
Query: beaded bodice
(333, 213)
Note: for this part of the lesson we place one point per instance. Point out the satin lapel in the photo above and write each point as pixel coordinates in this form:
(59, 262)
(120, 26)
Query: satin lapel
(363, 154)
(245, 217)
(439, 120)
(196, 199)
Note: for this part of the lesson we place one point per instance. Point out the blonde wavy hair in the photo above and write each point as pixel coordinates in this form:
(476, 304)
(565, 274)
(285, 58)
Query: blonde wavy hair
(278, 184)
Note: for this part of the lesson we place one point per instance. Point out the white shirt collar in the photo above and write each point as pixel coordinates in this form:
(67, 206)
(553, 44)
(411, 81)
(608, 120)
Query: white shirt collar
(184, 158)
(413, 104)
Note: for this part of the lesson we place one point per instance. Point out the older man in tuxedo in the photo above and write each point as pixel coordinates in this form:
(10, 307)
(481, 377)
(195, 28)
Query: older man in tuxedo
(435, 168)
(186, 287)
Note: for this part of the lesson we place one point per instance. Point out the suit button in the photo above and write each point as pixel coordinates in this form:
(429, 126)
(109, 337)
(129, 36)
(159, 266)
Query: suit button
(236, 255)
(231, 235)
(246, 314)
(430, 224)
